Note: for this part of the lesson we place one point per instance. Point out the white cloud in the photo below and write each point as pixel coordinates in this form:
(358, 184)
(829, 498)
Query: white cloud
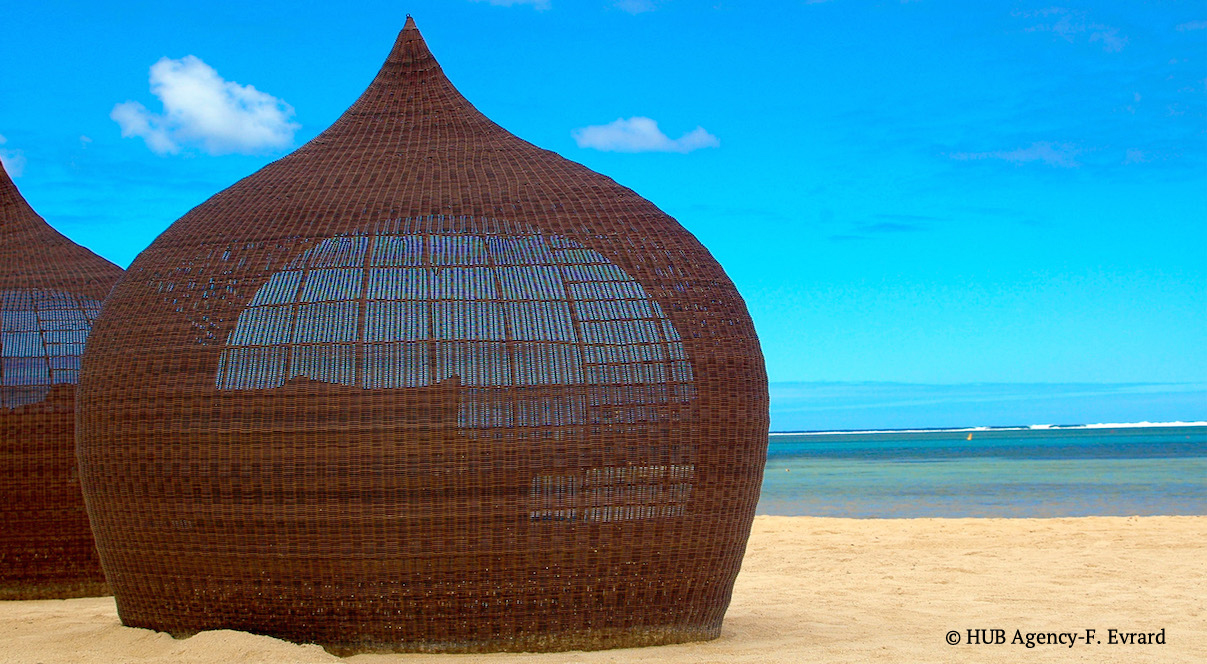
(1191, 25)
(13, 160)
(636, 6)
(638, 134)
(1063, 155)
(1070, 25)
(1111, 40)
(201, 109)
(1136, 157)
(539, 5)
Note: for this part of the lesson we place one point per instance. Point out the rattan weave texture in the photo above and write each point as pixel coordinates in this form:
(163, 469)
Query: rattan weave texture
(50, 291)
(421, 385)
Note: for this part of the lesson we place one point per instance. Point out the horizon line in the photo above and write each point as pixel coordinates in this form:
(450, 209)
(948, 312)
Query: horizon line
(1022, 427)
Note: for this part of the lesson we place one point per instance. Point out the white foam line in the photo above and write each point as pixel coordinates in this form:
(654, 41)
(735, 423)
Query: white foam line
(1132, 425)
(1031, 427)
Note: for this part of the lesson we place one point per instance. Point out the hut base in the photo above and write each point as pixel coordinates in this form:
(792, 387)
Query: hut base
(590, 639)
(586, 639)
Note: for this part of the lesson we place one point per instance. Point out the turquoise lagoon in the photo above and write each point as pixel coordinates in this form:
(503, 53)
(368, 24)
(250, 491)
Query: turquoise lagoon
(1094, 470)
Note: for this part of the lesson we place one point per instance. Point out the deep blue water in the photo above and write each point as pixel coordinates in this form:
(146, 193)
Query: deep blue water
(999, 472)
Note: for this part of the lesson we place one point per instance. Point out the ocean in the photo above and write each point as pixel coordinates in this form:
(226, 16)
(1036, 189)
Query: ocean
(1093, 470)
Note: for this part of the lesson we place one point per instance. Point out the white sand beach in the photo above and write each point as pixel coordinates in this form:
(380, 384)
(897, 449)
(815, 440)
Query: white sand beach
(817, 589)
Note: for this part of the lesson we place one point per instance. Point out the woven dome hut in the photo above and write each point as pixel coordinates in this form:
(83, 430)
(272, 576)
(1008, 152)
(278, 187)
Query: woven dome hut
(420, 385)
(50, 292)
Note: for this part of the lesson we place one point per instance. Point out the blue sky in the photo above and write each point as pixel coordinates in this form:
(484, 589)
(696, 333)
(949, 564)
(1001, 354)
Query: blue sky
(926, 193)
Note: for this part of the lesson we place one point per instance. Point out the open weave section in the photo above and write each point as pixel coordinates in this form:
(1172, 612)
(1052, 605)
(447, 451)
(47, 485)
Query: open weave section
(421, 385)
(50, 292)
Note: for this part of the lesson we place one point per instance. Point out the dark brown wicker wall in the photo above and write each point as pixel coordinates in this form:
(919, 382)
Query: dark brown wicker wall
(50, 291)
(421, 385)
